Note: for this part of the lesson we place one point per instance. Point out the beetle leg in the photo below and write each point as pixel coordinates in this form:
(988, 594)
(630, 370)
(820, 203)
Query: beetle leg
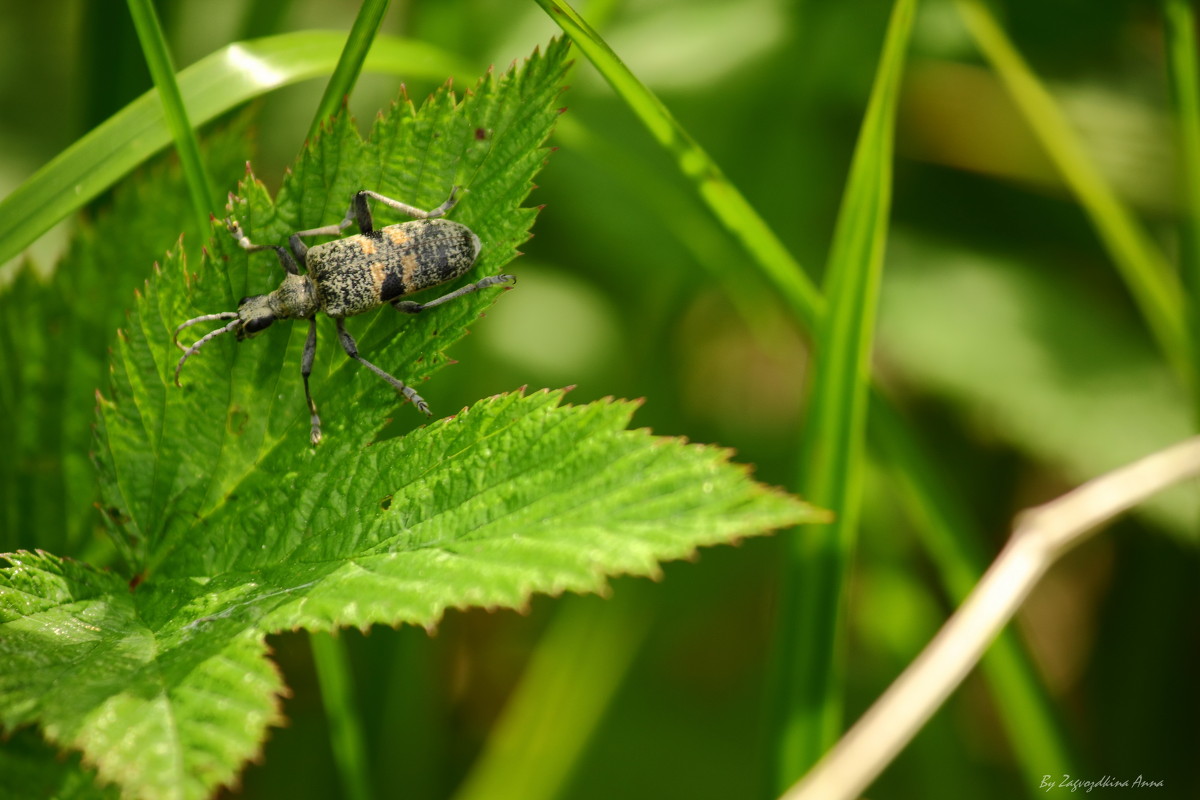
(301, 249)
(403, 208)
(360, 212)
(410, 307)
(306, 365)
(331, 230)
(285, 257)
(351, 348)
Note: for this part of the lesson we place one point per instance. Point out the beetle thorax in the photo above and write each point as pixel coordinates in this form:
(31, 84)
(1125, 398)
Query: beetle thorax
(294, 299)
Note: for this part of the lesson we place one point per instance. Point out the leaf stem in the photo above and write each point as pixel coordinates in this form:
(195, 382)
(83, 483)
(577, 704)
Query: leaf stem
(952, 540)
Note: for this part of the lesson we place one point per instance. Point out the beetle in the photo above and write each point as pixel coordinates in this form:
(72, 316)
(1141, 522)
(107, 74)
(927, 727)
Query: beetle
(353, 275)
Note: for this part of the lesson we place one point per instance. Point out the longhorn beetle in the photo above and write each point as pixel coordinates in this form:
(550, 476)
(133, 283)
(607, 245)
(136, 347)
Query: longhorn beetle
(352, 276)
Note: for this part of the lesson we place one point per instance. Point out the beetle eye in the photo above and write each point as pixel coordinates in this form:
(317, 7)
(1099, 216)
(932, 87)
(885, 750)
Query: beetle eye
(255, 325)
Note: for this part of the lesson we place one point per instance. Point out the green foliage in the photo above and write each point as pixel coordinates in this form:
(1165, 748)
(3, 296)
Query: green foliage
(516, 495)
(1043, 373)
(231, 527)
(1030, 324)
(170, 458)
(210, 87)
(812, 644)
(56, 334)
(1152, 281)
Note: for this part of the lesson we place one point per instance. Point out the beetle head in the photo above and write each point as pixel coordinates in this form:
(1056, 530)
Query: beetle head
(255, 314)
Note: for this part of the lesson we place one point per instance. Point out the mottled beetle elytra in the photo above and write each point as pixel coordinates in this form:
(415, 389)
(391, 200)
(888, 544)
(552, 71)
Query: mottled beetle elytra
(352, 276)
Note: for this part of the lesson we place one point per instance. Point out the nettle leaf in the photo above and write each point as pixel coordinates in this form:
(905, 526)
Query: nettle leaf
(171, 457)
(234, 527)
(54, 343)
(159, 712)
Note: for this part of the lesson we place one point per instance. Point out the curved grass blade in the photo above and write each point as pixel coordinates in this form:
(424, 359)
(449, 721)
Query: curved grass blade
(812, 619)
(1140, 262)
(162, 72)
(210, 87)
(721, 196)
(1036, 720)
(1183, 66)
(350, 62)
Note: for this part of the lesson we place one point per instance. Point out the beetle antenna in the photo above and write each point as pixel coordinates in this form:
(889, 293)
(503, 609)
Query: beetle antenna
(202, 318)
(195, 348)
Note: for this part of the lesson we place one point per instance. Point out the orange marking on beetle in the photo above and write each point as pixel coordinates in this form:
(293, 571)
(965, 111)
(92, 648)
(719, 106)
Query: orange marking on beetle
(366, 245)
(396, 233)
(410, 267)
(378, 275)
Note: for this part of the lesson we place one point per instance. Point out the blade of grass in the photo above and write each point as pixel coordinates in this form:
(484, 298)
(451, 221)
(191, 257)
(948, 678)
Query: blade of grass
(345, 74)
(951, 539)
(722, 197)
(571, 679)
(345, 726)
(1040, 537)
(162, 72)
(1030, 721)
(1183, 70)
(330, 655)
(680, 213)
(1140, 262)
(810, 637)
(210, 87)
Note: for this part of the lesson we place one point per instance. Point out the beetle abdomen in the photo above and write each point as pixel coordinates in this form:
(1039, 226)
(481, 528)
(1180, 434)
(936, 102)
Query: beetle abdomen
(359, 273)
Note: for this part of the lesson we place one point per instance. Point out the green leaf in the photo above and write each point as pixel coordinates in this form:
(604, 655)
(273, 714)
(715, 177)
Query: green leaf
(515, 495)
(212, 86)
(233, 527)
(163, 711)
(55, 335)
(172, 456)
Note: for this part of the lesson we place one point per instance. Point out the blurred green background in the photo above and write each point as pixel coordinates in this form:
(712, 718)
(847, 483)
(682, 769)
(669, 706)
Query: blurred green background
(1005, 333)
